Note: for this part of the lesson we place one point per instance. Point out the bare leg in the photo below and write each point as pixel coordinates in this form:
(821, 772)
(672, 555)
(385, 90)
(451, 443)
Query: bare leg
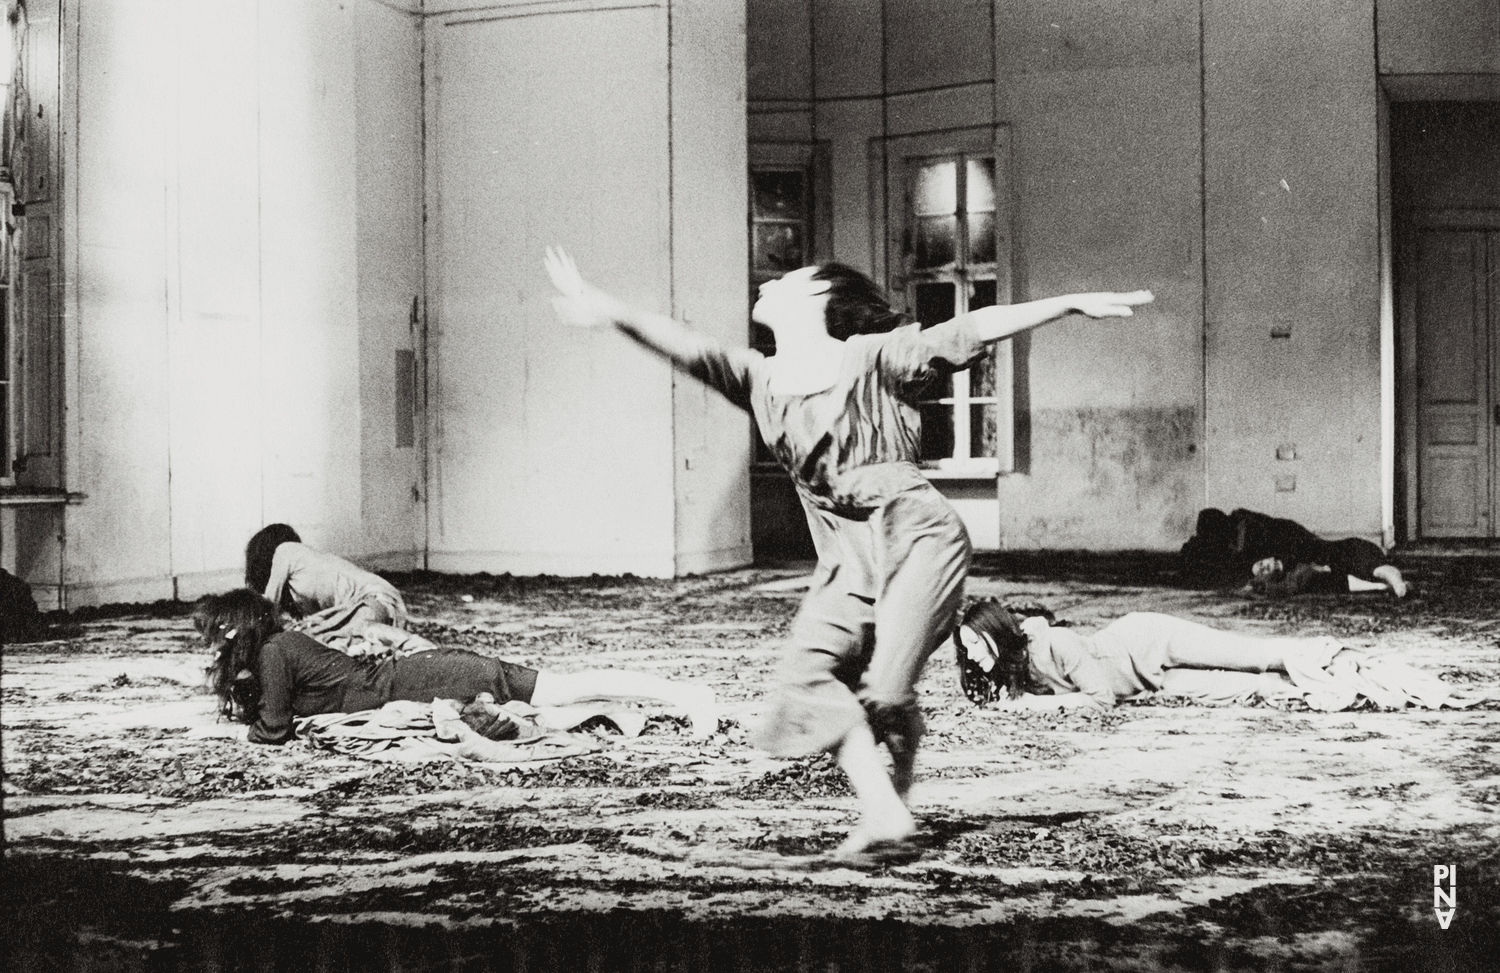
(883, 815)
(1392, 579)
(1180, 643)
(563, 688)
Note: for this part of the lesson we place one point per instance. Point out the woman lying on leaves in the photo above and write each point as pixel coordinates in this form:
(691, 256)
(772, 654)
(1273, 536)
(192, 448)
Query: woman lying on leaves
(1037, 664)
(267, 677)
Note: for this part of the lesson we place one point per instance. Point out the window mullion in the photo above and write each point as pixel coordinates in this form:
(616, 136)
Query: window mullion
(961, 436)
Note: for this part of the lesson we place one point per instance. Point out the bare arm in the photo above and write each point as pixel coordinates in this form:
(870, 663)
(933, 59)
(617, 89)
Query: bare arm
(583, 305)
(1002, 321)
(280, 575)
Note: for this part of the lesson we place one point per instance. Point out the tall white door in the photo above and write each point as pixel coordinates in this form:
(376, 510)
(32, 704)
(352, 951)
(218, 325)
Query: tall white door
(1452, 276)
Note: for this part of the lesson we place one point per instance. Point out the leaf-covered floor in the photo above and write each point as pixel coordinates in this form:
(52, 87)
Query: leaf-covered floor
(1156, 836)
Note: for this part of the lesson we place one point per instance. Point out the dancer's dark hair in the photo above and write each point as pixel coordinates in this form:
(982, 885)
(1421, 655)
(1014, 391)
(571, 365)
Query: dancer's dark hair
(856, 305)
(260, 551)
(234, 626)
(1011, 673)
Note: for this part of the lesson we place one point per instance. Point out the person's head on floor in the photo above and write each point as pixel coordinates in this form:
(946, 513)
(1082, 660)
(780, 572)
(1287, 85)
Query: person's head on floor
(992, 653)
(260, 551)
(1267, 569)
(234, 626)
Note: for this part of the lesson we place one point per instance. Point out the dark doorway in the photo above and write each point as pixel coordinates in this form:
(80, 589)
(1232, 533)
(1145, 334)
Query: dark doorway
(1445, 194)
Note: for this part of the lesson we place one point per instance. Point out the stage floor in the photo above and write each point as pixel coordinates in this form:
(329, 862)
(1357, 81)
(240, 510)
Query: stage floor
(142, 834)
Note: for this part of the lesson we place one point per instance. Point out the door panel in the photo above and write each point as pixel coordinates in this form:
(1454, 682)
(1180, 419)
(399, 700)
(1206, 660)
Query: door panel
(1455, 398)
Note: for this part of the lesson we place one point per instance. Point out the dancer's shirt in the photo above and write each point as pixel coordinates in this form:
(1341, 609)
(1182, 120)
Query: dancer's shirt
(315, 580)
(854, 446)
(1066, 662)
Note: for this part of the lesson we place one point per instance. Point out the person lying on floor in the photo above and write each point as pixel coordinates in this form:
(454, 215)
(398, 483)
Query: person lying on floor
(1036, 664)
(1282, 558)
(266, 676)
(333, 600)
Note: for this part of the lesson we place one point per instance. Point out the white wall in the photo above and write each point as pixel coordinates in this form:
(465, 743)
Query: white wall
(245, 193)
(1292, 252)
(617, 133)
(1103, 100)
(243, 230)
(709, 253)
(1102, 112)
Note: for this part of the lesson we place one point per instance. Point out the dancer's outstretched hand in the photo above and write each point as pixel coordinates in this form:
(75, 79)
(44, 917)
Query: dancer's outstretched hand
(1111, 305)
(577, 303)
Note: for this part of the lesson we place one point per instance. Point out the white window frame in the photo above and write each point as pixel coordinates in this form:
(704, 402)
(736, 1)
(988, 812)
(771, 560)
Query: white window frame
(895, 161)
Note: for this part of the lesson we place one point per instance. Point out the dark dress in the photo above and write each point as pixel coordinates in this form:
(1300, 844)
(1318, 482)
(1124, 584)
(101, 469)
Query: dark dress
(1226, 546)
(300, 676)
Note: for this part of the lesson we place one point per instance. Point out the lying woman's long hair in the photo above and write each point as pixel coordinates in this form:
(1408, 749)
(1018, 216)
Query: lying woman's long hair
(234, 626)
(260, 551)
(1012, 670)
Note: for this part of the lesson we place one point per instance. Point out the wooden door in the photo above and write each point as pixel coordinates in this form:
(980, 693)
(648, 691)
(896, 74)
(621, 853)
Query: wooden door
(1450, 273)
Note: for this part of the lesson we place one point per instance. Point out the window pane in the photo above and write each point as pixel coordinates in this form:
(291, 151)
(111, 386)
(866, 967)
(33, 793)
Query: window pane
(981, 238)
(779, 194)
(937, 432)
(935, 189)
(983, 430)
(778, 247)
(933, 303)
(979, 196)
(937, 241)
(982, 372)
(982, 375)
(936, 302)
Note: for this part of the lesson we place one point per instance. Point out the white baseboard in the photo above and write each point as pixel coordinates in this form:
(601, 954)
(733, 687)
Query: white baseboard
(191, 587)
(707, 562)
(562, 565)
(129, 591)
(391, 561)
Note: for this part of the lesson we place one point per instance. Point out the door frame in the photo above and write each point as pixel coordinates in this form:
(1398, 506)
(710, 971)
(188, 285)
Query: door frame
(1408, 224)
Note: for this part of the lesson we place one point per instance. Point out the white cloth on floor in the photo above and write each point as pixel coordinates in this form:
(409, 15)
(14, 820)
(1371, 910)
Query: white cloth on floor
(1329, 686)
(412, 732)
(1386, 682)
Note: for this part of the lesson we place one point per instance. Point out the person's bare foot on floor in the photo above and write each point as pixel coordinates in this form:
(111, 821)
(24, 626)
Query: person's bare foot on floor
(893, 827)
(702, 711)
(1391, 575)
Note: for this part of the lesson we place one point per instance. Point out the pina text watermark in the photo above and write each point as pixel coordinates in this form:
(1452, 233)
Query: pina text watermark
(1444, 901)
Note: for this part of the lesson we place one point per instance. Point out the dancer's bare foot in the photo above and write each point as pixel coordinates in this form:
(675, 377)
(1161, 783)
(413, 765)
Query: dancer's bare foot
(1391, 576)
(702, 711)
(893, 827)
